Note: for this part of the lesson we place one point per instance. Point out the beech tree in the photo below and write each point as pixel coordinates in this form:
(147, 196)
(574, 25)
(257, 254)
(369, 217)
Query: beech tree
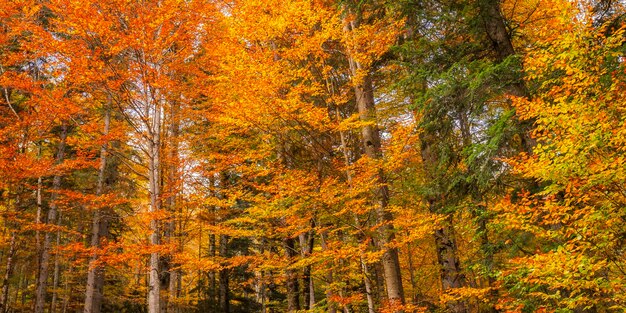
(573, 214)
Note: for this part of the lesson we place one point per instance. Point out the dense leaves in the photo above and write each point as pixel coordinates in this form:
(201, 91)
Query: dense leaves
(312, 156)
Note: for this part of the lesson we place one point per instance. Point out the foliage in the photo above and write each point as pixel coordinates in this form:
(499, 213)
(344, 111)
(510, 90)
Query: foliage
(295, 156)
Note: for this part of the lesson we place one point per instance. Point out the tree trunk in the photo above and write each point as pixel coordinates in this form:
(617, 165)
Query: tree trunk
(488, 253)
(332, 308)
(260, 288)
(368, 287)
(496, 28)
(38, 215)
(224, 294)
(66, 291)
(99, 230)
(364, 95)
(451, 276)
(4, 296)
(447, 255)
(293, 299)
(22, 285)
(39, 209)
(165, 263)
(500, 38)
(212, 275)
(364, 270)
(173, 178)
(57, 272)
(306, 248)
(154, 180)
(42, 279)
(4, 301)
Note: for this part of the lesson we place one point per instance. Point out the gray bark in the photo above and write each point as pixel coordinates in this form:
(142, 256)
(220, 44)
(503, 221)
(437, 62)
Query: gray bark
(307, 241)
(154, 177)
(365, 271)
(224, 293)
(332, 307)
(368, 287)
(497, 32)
(57, 272)
(495, 27)
(173, 177)
(293, 299)
(4, 301)
(451, 274)
(447, 254)
(364, 95)
(212, 274)
(42, 277)
(99, 230)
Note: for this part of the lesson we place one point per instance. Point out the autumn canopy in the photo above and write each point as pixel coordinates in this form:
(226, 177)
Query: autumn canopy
(180, 156)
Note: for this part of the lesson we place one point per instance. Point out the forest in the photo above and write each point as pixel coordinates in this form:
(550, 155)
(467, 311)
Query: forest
(340, 156)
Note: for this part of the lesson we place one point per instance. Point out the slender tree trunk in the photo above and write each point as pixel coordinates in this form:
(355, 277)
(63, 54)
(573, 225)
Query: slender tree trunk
(154, 178)
(4, 296)
(66, 291)
(39, 208)
(364, 270)
(368, 287)
(487, 250)
(173, 178)
(487, 256)
(200, 273)
(332, 307)
(306, 287)
(307, 241)
(42, 279)
(447, 254)
(259, 286)
(21, 286)
(57, 272)
(165, 263)
(293, 299)
(99, 230)
(311, 291)
(154, 286)
(38, 214)
(212, 275)
(411, 272)
(260, 291)
(224, 293)
(371, 140)
(289, 246)
(364, 94)
(4, 301)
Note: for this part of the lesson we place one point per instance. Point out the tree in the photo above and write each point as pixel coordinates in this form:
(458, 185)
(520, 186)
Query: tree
(577, 161)
(364, 98)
